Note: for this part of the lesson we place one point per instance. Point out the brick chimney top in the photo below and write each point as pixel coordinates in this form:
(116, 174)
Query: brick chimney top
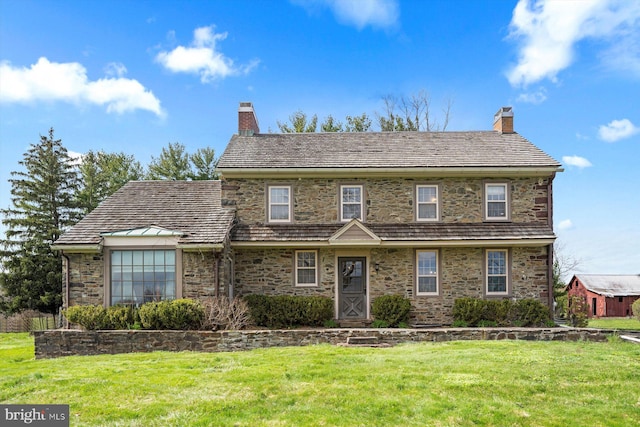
(503, 120)
(247, 121)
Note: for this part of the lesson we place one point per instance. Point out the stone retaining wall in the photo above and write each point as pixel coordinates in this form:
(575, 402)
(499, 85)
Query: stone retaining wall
(69, 342)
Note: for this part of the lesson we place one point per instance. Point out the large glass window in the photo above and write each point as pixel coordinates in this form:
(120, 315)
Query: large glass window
(427, 202)
(141, 276)
(279, 204)
(306, 268)
(427, 272)
(496, 201)
(497, 272)
(350, 202)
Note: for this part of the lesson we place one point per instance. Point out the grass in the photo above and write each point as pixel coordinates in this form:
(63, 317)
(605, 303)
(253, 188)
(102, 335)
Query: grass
(463, 383)
(621, 323)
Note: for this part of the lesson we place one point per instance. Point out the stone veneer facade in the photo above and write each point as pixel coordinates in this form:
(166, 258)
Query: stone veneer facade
(267, 270)
(87, 281)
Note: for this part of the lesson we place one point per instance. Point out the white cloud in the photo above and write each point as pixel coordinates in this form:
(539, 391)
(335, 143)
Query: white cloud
(549, 30)
(359, 13)
(203, 58)
(68, 82)
(565, 224)
(537, 97)
(617, 129)
(576, 161)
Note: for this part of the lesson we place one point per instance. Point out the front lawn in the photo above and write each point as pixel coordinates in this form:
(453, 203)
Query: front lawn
(622, 323)
(463, 383)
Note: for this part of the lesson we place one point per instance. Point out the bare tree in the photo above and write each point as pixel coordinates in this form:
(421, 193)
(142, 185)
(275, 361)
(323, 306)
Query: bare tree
(412, 113)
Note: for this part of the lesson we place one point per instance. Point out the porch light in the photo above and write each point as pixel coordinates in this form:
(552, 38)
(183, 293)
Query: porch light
(377, 267)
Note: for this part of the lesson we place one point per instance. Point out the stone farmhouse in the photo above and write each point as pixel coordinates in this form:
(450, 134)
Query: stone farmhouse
(432, 216)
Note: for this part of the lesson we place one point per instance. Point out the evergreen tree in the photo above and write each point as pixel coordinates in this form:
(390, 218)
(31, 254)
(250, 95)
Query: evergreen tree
(173, 164)
(102, 174)
(204, 164)
(299, 123)
(43, 208)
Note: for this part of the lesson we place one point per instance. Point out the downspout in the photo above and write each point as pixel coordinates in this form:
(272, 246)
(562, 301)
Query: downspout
(67, 262)
(216, 257)
(550, 250)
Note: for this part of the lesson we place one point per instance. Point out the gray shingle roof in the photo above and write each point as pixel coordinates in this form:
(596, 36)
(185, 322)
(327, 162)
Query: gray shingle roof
(395, 232)
(383, 149)
(611, 285)
(192, 208)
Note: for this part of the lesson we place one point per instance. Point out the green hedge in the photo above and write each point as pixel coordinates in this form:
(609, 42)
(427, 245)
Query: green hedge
(286, 311)
(176, 314)
(504, 312)
(390, 311)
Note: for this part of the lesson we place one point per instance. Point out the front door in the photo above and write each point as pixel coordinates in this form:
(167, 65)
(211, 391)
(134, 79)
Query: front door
(352, 287)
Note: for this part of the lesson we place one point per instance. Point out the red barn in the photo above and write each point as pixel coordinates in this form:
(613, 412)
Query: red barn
(608, 295)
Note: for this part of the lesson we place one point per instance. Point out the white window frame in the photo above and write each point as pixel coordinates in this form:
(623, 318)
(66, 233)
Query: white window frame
(504, 274)
(343, 203)
(435, 203)
(507, 209)
(270, 203)
(298, 268)
(434, 274)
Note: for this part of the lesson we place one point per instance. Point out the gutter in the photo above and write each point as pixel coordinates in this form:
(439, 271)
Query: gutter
(66, 285)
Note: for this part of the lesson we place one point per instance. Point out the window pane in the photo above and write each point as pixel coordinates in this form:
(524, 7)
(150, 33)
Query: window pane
(497, 263)
(351, 211)
(351, 194)
(426, 211)
(279, 195)
(496, 209)
(426, 263)
(306, 276)
(142, 276)
(496, 192)
(497, 284)
(306, 259)
(427, 195)
(427, 284)
(280, 212)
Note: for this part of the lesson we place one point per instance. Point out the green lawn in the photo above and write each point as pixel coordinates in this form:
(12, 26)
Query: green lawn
(464, 383)
(622, 323)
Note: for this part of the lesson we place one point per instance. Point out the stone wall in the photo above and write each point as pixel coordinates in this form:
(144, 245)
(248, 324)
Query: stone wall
(57, 343)
(270, 271)
(387, 200)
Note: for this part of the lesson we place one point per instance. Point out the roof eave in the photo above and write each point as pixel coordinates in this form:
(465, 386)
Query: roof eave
(297, 172)
(400, 243)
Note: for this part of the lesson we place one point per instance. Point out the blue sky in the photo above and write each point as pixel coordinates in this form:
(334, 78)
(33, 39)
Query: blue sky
(133, 76)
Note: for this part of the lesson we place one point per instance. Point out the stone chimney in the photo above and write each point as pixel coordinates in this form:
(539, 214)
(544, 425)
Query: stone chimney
(503, 120)
(247, 121)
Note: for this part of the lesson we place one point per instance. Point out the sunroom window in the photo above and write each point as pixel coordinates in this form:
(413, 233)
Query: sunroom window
(140, 276)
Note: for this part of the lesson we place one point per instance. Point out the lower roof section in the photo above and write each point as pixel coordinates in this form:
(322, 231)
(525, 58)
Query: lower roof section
(394, 235)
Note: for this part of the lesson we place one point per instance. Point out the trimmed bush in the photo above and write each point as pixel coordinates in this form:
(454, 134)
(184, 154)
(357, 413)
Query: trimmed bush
(481, 312)
(286, 311)
(91, 317)
(392, 309)
(180, 314)
(122, 317)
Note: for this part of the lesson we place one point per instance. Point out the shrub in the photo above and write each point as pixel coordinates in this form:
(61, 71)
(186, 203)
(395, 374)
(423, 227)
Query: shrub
(531, 312)
(122, 317)
(90, 317)
(177, 314)
(222, 313)
(577, 311)
(635, 308)
(392, 309)
(285, 311)
(468, 310)
(379, 323)
(487, 323)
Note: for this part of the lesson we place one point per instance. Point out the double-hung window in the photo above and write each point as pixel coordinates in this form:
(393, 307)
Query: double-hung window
(139, 276)
(427, 203)
(427, 272)
(279, 203)
(306, 268)
(496, 202)
(497, 267)
(351, 202)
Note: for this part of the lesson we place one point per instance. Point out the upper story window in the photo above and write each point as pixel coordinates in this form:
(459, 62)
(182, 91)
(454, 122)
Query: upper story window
(306, 268)
(279, 204)
(141, 276)
(427, 272)
(496, 201)
(351, 205)
(497, 267)
(427, 203)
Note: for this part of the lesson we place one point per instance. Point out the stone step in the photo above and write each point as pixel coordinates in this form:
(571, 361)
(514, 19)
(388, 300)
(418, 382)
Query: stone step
(362, 340)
